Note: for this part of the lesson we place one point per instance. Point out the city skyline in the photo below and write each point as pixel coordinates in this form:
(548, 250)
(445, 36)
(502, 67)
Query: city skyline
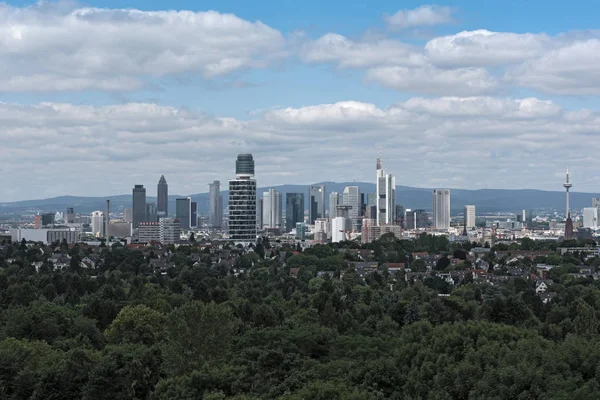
(465, 82)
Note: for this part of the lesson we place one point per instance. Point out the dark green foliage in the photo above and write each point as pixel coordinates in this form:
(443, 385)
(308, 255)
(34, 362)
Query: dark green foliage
(125, 331)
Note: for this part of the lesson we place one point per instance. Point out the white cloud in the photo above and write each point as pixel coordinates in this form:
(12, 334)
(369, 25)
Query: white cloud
(347, 53)
(432, 80)
(426, 141)
(426, 15)
(60, 48)
(573, 69)
(485, 48)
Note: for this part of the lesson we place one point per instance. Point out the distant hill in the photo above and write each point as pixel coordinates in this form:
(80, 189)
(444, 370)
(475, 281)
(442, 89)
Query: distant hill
(486, 200)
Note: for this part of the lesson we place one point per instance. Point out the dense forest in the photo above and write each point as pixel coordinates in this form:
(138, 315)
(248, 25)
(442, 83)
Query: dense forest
(217, 322)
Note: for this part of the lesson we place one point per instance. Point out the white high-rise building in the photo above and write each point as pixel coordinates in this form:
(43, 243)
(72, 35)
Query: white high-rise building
(338, 229)
(169, 230)
(386, 197)
(334, 201)
(272, 210)
(351, 199)
(98, 223)
(590, 217)
(322, 230)
(242, 202)
(470, 216)
(441, 209)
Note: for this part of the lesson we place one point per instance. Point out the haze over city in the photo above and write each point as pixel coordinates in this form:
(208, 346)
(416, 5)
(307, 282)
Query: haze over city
(100, 95)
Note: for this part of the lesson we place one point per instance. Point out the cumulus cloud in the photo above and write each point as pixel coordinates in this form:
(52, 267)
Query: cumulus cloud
(485, 48)
(428, 141)
(432, 80)
(426, 15)
(573, 69)
(64, 48)
(347, 53)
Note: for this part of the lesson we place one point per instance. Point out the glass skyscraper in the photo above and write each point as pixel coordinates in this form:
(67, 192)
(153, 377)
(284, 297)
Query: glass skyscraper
(294, 210)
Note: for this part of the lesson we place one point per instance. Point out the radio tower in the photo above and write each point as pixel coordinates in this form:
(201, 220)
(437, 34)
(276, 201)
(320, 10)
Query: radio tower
(569, 222)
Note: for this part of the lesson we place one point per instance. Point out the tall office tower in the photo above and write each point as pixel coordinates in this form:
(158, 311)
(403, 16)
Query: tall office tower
(242, 201)
(48, 219)
(371, 199)
(351, 198)
(215, 207)
(441, 208)
(416, 219)
(139, 205)
(400, 214)
(590, 217)
(596, 203)
(162, 198)
(294, 210)
(569, 222)
(183, 212)
(194, 214)
(334, 200)
(386, 196)
(339, 229)
(469, 221)
(70, 215)
(151, 213)
(316, 203)
(170, 230)
(259, 213)
(98, 223)
(272, 209)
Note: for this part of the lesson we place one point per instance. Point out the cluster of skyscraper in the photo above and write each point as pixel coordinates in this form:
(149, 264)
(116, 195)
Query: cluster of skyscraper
(186, 210)
(350, 211)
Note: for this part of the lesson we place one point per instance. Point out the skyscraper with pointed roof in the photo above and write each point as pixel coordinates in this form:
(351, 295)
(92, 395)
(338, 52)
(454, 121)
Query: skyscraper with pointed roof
(162, 194)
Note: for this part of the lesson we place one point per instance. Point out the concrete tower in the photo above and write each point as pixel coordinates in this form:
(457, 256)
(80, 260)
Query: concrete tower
(569, 222)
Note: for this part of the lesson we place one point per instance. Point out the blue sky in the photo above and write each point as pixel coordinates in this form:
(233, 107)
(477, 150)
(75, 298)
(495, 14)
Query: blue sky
(467, 94)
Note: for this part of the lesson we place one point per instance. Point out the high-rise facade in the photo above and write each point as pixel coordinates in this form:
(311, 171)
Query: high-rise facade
(469, 221)
(162, 198)
(70, 215)
(334, 200)
(139, 205)
(149, 232)
(215, 205)
(294, 210)
(170, 230)
(351, 199)
(272, 213)
(441, 209)
(338, 229)
(151, 213)
(590, 217)
(194, 214)
(183, 212)
(242, 201)
(386, 196)
(316, 203)
(98, 223)
(416, 219)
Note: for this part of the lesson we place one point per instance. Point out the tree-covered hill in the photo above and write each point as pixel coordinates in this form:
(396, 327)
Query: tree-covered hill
(203, 322)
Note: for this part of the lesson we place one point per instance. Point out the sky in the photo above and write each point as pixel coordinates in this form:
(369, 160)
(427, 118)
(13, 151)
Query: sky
(98, 96)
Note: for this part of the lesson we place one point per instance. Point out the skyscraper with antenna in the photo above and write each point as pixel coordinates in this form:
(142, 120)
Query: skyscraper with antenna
(569, 222)
(386, 195)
